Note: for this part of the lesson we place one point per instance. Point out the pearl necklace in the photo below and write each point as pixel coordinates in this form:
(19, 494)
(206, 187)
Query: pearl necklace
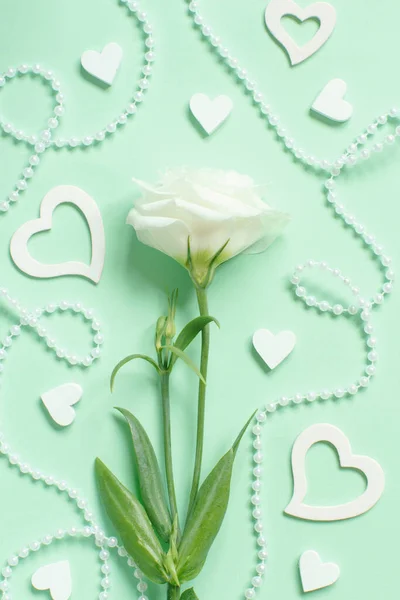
(46, 139)
(360, 310)
(257, 98)
(41, 143)
(31, 319)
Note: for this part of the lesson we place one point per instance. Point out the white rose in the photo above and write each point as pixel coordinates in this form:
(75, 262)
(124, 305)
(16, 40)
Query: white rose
(220, 213)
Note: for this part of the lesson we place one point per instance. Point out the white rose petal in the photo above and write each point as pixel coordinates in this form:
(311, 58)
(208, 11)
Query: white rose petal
(211, 208)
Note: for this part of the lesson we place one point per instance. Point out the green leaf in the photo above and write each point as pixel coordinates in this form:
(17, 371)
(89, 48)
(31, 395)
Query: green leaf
(128, 359)
(132, 523)
(189, 332)
(189, 595)
(150, 481)
(186, 359)
(171, 558)
(208, 513)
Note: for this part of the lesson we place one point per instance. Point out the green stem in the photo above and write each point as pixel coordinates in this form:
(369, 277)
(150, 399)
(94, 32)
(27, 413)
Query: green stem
(167, 443)
(174, 593)
(205, 349)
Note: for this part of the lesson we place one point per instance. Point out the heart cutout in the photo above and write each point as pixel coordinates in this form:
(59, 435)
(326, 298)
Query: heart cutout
(273, 349)
(301, 31)
(371, 469)
(59, 195)
(330, 103)
(315, 574)
(56, 578)
(322, 11)
(210, 113)
(105, 64)
(59, 402)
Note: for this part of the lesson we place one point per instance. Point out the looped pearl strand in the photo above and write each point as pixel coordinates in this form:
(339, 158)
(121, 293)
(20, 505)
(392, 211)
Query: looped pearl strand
(93, 533)
(32, 320)
(43, 141)
(251, 88)
(360, 310)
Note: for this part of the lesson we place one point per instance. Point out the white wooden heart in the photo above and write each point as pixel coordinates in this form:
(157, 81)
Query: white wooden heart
(210, 113)
(315, 574)
(63, 194)
(273, 349)
(56, 578)
(324, 12)
(59, 402)
(371, 469)
(331, 104)
(103, 65)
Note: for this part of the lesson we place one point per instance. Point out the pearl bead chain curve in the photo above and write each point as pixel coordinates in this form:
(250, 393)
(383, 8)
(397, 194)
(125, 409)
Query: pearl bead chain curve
(43, 141)
(251, 88)
(32, 320)
(361, 310)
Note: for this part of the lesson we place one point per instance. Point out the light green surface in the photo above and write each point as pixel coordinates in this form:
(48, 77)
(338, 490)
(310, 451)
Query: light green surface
(249, 293)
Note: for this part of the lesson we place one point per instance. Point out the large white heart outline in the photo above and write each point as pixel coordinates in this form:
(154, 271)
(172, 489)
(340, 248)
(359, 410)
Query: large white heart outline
(63, 194)
(373, 472)
(324, 12)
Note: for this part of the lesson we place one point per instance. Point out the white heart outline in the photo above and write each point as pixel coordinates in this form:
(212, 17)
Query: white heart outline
(61, 398)
(63, 194)
(324, 12)
(274, 348)
(325, 432)
(210, 113)
(44, 579)
(103, 65)
(330, 102)
(316, 574)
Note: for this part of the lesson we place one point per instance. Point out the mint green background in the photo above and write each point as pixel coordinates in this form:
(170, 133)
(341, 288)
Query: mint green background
(249, 293)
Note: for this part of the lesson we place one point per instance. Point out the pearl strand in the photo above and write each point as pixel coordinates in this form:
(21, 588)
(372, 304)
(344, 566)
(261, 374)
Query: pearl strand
(361, 309)
(99, 539)
(31, 319)
(265, 110)
(45, 140)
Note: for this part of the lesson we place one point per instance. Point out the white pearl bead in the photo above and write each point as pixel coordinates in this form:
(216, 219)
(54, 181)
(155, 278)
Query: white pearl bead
(260, 568)
(258, 457)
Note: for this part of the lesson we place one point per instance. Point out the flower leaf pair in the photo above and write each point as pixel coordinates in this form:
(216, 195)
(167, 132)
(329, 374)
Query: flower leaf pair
(143, 526)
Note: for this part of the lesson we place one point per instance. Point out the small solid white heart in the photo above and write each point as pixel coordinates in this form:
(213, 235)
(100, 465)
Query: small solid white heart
(59, 402)
(330, 102)
(56, 578)
(63, 194)
(103, 65)
(315, 574)
(273, 349)
(210, 113)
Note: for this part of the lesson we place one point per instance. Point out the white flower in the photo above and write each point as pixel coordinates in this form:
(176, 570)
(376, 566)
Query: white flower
(220, 213)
